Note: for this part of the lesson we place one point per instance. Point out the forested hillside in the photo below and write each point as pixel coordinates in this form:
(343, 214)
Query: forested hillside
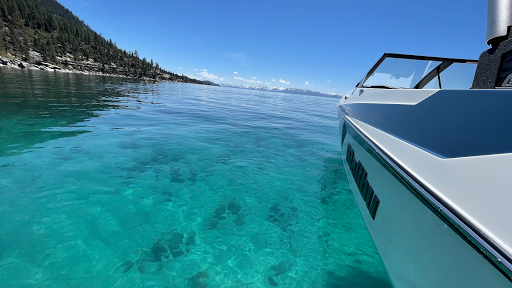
(45, 31)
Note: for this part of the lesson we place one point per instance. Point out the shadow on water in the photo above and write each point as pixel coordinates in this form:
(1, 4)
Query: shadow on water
(346, 241)
(355, 278)
(39, 106)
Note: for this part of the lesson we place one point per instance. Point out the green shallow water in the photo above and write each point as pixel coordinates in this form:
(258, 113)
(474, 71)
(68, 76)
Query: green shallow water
(108, 182)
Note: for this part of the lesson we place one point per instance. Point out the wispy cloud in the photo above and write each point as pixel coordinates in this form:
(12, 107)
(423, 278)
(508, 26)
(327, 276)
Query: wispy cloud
(267, 83)
(204, 70)
(195, 69)
(83, 3)
(253, 77)
(307, 83)
(238, 57)
(178, 68)
(235, 72)
(329, 81)
(247, 80)
(274, 80)
(284, 82)
(204, 75)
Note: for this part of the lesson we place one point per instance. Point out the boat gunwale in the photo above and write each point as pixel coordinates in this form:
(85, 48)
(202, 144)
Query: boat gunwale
(494, 254)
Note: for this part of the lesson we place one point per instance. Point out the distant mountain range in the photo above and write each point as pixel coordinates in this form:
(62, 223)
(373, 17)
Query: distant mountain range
(285, 90)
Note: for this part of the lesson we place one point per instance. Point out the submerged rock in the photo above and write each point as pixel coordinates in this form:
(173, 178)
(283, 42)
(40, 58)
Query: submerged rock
(175, 244)
(148, 264)
(276, 270)
(177, 157)
(177, 253)
(240, 219)
(220, 212)
(169, 196)
(212, 224)
(272, 282)
(193, 176)
(159, 251)
(281, 267)
(218, 215)
(127, 266)
(155, 158)
(176, 176)
(274, 213)
(167, 193)
(195, 281)
(234, 207)
(283, 218)
(191, 239)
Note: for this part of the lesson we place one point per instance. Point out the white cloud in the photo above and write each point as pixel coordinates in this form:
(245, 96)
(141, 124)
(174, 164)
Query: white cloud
(284, 82)
(235, 72)
(247, 80)
(253, 77)
(207, 76)
(195, 69)
(178, 68)
(329, 81)
(307, 83)
(267, 83)
(273, 79)
(204, 70)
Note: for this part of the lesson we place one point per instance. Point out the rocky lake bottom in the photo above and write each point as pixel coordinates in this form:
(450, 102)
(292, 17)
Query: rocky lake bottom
(111, 182)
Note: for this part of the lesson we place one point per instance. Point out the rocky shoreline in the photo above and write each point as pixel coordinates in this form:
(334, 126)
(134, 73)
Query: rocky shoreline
(81, 67)
(44, 66)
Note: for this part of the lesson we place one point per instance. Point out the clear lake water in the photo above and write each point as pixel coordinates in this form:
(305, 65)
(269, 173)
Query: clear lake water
(112, 182)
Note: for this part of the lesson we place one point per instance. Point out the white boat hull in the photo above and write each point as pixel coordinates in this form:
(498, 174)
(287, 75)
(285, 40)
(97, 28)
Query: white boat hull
(419, 247)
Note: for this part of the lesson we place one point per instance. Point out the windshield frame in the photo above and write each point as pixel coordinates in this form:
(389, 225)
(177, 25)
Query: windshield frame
(445, 63)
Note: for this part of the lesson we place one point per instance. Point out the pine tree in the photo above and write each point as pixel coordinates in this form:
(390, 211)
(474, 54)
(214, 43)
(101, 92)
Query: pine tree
(50, 29)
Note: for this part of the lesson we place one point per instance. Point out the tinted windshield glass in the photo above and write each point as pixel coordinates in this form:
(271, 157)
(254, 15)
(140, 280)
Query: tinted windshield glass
(458, 76)
(400, 73)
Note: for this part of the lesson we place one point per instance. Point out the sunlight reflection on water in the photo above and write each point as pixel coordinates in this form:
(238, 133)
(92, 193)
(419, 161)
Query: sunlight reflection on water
(109, 182)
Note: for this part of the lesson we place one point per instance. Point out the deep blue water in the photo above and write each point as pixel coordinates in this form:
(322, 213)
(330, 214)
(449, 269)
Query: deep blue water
(109, 182)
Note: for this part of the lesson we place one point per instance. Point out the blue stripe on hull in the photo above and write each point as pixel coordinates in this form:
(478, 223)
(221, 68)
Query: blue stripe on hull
(449, 123)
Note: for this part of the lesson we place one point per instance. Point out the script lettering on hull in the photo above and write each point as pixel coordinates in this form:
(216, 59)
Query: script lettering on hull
(360, 177)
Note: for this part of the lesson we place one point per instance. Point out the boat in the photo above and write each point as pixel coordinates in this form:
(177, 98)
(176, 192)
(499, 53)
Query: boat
(427, 147)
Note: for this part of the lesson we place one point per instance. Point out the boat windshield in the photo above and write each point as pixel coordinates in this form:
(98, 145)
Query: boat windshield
(406, 71)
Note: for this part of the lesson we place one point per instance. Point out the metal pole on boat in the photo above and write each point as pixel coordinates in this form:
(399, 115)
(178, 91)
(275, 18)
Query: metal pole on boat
(499, 20)
(494, 68)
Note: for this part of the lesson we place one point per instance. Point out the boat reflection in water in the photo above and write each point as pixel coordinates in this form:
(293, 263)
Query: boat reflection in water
(429, 162)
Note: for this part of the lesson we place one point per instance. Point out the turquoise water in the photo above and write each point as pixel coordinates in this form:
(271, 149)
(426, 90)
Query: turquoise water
(109, 182)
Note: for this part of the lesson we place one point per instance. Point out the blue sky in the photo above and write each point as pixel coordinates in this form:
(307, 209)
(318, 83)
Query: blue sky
(319, 45)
